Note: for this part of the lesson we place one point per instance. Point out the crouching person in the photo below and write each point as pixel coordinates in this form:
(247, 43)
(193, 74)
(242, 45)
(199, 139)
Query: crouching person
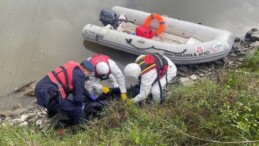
(153, 71)
(53, 90)
(106, 70)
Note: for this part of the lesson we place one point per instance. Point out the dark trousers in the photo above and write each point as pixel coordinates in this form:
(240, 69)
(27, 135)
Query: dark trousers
(66, 106)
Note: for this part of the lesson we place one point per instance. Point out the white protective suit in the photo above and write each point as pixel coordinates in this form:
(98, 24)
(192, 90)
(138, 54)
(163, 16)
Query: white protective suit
(116, 79)
(147, 79)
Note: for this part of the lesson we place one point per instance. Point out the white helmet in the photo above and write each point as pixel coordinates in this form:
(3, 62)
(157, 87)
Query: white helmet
(132, 70)
(102, 68)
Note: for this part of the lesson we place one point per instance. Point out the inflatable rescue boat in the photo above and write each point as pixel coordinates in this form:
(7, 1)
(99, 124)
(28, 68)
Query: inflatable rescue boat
(139, 32)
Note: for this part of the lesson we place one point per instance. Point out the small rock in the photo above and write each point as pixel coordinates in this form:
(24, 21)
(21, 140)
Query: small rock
(230, 62)
(6, 113)
(248, 36)
(24, 124)
(201, 74)
(246, 45)
(193, 77)
(242, 53)
(24, 117)
(232, 55)
(241, 59)
(19, 111)
(236, 46)
(39, 122)
(210, 73)
(255, 44)
(254, 29)
(238, 64)
(238, 50)
(31, 115)
(32, 120)
(225, 60)
(186, 81)
(255, 37)
(16, 121)
(42, 115)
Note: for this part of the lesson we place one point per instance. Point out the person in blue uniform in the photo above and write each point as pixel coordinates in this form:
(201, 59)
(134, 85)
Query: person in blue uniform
(53, 90)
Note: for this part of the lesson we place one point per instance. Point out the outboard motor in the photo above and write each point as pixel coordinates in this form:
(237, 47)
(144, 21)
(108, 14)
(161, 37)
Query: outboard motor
(108, 16)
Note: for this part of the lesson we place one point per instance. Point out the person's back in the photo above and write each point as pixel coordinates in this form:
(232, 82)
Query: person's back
(52, 91)
(105, 69)
(152, 79)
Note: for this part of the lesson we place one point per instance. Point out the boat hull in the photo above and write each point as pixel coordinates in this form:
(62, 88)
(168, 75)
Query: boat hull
(216, 43)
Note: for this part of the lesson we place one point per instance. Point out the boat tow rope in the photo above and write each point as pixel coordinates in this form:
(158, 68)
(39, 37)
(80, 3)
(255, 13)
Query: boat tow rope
(129, 41)
(203, 139)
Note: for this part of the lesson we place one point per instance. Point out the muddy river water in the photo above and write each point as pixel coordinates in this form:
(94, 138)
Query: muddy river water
(38, 35)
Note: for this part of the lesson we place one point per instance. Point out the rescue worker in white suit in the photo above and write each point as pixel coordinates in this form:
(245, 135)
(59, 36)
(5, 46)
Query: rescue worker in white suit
(106, 69)
(154, 71)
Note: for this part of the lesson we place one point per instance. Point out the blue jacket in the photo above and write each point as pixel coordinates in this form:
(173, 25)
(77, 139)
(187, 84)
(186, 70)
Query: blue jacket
(79, 91)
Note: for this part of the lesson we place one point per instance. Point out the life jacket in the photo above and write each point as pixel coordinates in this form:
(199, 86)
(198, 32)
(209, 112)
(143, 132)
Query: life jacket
(100, 58)
(153, 61)
(62, 76)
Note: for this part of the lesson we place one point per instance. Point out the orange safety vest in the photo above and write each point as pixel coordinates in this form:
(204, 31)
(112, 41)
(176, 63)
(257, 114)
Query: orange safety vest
(62, 76)
(100, 58)
(153, 61)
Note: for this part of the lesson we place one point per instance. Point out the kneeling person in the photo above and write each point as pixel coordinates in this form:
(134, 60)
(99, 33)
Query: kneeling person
(153, 72)
(53, 90)
(106, 69)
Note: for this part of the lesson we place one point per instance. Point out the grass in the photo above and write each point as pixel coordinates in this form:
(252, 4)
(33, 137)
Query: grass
(252, 61)
(225, 109)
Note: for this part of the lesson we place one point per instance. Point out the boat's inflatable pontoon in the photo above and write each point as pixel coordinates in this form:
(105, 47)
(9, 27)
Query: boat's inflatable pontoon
(183, 42)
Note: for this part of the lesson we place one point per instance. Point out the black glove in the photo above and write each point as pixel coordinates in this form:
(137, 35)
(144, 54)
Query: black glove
(53, 95)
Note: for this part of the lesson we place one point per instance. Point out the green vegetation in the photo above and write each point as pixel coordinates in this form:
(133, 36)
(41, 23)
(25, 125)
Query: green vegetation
(252, 61)
(225, 109)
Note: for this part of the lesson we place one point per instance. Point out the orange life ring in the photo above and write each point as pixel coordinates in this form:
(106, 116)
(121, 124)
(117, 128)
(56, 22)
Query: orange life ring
(158, 18)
